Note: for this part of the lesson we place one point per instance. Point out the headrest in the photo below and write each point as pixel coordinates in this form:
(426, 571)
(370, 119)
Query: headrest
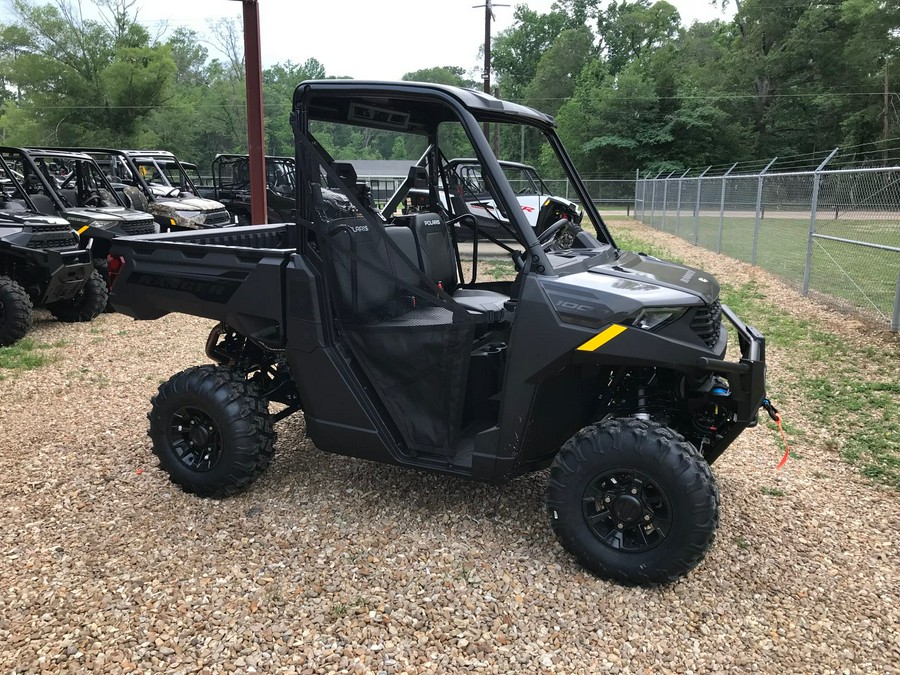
(417, 177)
(345, 172)
(426, 222)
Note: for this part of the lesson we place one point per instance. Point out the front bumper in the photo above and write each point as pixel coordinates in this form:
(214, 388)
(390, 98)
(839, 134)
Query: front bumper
(746, 379)
(68, 272)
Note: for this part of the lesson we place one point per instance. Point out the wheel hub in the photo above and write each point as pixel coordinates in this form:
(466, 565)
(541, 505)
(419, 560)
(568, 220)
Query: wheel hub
(195, 439)
(627, 508)
(627, 511)
(198, 435)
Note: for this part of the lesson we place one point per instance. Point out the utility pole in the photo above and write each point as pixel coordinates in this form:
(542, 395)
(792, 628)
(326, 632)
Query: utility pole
(255, 130)
(486, 73)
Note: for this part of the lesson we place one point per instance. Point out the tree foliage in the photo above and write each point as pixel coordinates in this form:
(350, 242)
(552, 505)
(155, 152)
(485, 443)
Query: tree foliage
(631, 86)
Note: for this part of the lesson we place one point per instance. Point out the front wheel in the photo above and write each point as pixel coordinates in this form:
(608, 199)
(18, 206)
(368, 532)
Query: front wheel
(633, 501)
(211, 431)
(15, 312)
(85, 305)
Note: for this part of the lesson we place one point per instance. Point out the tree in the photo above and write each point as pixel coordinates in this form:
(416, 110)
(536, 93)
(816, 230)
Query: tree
(558, 69)
(517, 51)
(452, 75)
(628, 29)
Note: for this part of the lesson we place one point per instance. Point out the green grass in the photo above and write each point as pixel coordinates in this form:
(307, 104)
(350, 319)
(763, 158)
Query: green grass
(864, 277)
(27, 355)
(861, 412)
(772, 492)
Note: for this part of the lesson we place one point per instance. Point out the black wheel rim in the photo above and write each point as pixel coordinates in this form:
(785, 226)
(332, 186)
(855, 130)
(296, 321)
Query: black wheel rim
(195, 439)
(627, 511)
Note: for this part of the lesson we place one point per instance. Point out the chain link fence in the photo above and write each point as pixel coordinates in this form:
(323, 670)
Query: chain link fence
(834, 231)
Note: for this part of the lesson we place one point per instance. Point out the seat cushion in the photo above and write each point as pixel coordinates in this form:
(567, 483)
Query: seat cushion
(480, 300)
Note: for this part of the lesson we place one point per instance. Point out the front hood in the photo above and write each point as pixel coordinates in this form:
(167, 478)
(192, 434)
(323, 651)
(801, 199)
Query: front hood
(189, 204)
(649, 270)
(104, 214)
(30, 218)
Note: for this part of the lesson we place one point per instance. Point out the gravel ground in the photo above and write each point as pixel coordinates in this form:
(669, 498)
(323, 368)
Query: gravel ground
(330, 564)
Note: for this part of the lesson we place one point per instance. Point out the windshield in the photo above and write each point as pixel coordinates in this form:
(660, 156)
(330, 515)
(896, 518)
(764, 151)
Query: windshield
(438, 172)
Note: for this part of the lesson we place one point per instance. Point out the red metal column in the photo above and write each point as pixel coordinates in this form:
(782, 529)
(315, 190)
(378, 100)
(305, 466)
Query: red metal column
(255, 129)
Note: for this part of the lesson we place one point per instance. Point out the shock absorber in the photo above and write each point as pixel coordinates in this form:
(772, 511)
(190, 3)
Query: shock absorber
(642, 404)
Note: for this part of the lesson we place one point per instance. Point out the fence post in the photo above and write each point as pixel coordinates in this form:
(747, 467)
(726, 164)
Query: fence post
(814, 205)
(644, 201)
(895, 321)
(653, 200)
(759, 192)
(722, 208)
(678, 206)
(697, 207)
(665, 197)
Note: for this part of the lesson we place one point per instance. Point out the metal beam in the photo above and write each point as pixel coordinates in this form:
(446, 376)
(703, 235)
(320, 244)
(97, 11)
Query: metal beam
(255, 130)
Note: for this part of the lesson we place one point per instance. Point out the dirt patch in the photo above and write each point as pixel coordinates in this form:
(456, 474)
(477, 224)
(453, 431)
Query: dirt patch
(330, 564)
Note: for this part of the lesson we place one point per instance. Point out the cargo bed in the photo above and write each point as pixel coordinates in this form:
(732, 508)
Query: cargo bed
(216, 274)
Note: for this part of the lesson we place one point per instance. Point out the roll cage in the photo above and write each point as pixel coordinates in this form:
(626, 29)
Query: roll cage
(419, 108)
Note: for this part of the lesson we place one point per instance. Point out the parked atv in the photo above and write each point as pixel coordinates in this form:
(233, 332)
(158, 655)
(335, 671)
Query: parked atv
(155, 181)
(469, 189)
(231, 184)
(40, 265)
(608, 367)
(72, 186)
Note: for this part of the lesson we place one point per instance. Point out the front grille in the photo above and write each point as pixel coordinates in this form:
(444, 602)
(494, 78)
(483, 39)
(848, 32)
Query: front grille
(220, 217)
(140, 227)
(41, 228)
(706, 323)
(52, 243)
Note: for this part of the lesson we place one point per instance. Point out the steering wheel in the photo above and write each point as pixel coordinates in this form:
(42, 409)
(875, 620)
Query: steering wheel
(93, 198)
(547, 237)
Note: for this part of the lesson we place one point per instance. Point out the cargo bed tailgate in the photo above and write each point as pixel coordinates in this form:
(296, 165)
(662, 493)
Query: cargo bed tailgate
(235, 275)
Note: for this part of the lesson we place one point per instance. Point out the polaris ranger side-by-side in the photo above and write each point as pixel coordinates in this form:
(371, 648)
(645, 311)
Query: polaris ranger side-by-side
(231, 186)
(606, 366)
(72, 186)
(154, 181)
(40, 265)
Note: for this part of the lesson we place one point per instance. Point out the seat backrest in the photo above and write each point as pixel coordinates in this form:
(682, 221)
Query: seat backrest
(70, 195)
(405, 240)
(363, 192)
(436, 257)
(44, 204)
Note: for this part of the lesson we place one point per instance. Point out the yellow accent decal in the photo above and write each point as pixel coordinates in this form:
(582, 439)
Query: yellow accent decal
(172, 221)
(81, 231)
(601, 339)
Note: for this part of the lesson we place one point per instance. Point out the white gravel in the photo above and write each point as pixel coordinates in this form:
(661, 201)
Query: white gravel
(330, 564)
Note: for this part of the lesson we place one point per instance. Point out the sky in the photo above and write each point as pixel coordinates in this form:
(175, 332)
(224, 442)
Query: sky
(380, 39)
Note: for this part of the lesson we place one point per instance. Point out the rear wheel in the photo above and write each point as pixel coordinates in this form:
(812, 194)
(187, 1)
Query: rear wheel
(15, 312)
(211, 431)
(633, 501)
(88, 303)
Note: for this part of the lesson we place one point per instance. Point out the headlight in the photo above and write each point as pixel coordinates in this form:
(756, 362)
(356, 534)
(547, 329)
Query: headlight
(654, 317)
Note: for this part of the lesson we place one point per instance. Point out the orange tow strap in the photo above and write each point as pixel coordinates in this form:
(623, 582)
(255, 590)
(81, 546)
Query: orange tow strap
(787, 448)
(773, 413)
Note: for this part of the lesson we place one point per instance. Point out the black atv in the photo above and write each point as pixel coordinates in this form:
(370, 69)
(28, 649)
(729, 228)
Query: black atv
(605, 366)
(40, 265)
(231, 187)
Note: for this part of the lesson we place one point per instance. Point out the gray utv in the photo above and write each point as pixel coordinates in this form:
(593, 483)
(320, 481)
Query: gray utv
(41, 265)
(608, 367)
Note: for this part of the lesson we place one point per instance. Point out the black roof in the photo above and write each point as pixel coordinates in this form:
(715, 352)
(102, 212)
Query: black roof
(328, 101)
